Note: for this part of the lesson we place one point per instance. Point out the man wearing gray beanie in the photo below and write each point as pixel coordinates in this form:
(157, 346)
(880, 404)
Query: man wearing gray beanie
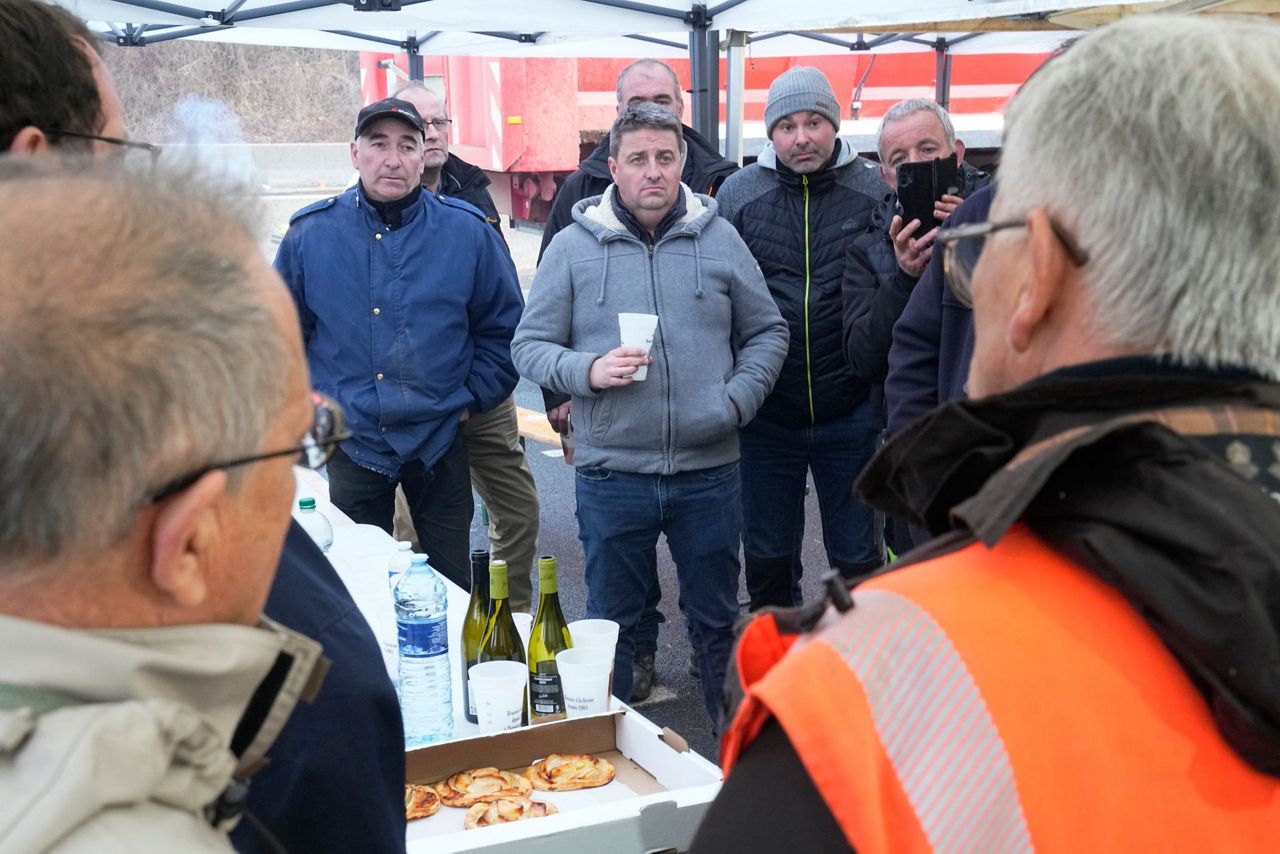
(797, 207)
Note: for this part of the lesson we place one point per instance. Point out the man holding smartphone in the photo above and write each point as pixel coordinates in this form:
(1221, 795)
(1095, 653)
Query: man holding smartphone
(884, 261)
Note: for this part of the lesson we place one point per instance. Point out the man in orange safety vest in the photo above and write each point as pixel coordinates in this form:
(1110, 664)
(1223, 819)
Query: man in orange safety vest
(1087, 656)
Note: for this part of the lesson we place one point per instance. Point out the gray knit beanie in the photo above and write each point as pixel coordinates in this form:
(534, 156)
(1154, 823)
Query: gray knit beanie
(800, 88)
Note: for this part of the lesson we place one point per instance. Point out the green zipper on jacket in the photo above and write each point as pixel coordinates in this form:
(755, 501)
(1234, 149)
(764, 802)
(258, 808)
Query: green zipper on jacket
(808, 358)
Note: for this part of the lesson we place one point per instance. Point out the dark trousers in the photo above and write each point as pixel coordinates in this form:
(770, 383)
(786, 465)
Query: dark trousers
(775, 464)
(440, 504)
(621, 515)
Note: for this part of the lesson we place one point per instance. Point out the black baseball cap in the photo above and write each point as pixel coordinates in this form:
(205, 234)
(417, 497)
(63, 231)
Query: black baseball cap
(392, 108)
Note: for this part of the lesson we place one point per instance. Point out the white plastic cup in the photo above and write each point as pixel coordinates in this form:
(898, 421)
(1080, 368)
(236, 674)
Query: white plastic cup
(524, 627)
(584, 677)
(594, 634)
(498, 689)
(637, 330)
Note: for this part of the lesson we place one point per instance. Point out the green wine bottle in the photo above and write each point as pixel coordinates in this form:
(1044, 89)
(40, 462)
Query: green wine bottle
(501, 638)
(549, 636)
(473, 626)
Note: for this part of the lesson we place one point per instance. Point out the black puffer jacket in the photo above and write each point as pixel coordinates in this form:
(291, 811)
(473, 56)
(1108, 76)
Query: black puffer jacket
(797, 227)
(875, 290)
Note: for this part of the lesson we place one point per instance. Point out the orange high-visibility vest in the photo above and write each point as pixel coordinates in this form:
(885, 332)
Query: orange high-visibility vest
(1002, 699)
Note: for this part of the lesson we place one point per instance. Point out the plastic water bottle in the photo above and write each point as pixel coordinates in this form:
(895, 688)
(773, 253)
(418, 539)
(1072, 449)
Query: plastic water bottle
(426, 685)
(399, 562)
(315, 523)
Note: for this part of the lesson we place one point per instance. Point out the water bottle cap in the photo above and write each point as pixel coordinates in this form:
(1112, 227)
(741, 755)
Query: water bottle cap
(404, 546)
(307, 504)
(418, 560)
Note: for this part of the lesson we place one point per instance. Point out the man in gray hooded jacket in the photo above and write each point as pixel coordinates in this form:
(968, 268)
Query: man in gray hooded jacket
(658, 453)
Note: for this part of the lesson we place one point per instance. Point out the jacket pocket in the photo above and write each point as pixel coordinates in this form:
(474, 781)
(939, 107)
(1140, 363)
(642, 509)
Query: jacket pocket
(704, 418)
(600, 416)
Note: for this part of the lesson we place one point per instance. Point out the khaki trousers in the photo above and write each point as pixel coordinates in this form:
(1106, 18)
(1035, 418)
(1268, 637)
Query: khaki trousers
(501, 475)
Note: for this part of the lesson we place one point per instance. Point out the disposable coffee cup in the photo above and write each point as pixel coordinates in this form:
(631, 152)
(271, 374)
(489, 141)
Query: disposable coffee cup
(524, 626)
(637, 331)
(594, 634)
(498, 689)
(584, 678)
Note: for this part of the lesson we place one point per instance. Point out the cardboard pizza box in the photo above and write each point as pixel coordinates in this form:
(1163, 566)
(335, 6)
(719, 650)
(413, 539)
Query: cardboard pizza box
(659, 794)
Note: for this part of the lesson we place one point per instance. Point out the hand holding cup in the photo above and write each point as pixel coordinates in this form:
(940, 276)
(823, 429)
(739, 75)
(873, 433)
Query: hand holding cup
(617, 367)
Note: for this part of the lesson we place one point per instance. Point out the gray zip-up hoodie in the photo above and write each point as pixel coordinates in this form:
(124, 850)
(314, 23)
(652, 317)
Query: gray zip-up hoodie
(720, 337)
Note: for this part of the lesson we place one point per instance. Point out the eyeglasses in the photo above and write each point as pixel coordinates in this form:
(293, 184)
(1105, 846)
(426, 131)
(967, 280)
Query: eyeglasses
(126, 146)
(328, 429)
(441, 125)
(962, 247)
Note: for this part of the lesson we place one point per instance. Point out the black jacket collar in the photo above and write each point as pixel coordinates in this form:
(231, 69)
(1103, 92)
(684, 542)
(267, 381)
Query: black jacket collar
(1126, 467)
(392, 213)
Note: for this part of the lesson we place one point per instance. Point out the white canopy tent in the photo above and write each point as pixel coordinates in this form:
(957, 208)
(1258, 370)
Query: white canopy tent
(661, 28)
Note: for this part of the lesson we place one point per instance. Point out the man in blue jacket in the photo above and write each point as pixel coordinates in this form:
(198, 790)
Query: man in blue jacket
(408, 301)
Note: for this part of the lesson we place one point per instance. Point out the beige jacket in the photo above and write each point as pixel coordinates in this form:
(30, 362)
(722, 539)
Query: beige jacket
(115, 741)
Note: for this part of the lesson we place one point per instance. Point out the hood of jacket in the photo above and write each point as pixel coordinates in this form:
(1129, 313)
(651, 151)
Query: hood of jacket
(160, 719)
(596, 214)
(1134, 468)
(769, 157)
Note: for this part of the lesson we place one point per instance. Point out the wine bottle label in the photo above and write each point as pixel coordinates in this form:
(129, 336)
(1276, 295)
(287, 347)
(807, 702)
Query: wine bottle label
(546, 693)
(423, 637)
(471, 697)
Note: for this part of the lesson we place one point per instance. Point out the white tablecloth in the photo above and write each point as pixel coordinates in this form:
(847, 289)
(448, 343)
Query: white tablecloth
(360, 554)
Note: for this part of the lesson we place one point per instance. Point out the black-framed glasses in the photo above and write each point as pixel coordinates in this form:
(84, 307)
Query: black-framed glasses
(126, 146)
(328, 429)
(441, 125)
(962, 247)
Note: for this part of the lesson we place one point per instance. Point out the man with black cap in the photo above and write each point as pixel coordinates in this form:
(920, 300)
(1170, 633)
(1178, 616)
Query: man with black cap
(408, 301)
(797, 207)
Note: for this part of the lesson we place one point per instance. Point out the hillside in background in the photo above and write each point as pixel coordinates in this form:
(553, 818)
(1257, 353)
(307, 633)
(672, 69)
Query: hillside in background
(194, 92)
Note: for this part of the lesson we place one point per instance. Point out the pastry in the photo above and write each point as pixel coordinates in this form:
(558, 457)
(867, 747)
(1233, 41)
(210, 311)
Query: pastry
(564, 772)
(481, 785)
(504, 810)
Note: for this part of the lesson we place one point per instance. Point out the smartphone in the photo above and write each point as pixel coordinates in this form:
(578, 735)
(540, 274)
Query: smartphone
(922, 183)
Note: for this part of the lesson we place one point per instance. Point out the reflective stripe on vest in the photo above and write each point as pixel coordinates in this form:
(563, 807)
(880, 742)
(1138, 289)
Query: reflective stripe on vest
(956, 680)
(934, 725)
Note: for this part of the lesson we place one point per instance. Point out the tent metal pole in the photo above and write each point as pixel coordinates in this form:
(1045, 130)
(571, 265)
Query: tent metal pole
(415, 58)
(632, 6)
(735, 93)
(170, 8)
(652, 40)
(942, 90)
(365, 37)
(704, 120)
(697, 46)
(713, 88)
(283, 8)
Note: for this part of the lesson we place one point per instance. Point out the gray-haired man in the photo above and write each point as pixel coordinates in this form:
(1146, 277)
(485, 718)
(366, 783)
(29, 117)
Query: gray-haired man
(886, 258)
(659, 455)
(154, 398)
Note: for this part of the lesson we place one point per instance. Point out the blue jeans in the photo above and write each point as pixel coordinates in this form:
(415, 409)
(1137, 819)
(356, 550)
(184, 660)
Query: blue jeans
(775, 462)
(621, 515)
